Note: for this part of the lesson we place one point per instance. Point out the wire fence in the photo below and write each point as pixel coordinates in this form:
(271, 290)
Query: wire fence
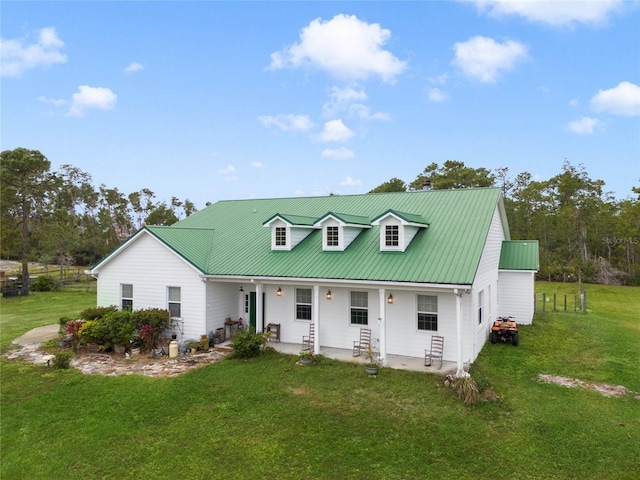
(560, 302)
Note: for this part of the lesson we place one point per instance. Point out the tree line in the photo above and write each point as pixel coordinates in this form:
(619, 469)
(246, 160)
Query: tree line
(61, 218)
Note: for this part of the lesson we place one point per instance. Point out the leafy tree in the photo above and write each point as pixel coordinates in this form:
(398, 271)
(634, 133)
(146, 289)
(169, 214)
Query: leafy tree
(25, 183)
(162, 215)
(453, 174)
(393, 185)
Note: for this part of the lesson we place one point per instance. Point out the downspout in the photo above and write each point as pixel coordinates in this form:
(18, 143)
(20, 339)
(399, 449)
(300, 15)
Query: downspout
(460, 362)
(316, 319)
(382, 319)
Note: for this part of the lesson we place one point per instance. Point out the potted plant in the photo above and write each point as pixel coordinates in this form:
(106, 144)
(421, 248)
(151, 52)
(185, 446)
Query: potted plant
(306, 357)
(371, 367)
(193, 346)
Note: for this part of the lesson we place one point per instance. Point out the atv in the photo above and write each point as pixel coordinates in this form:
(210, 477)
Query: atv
(505, 329)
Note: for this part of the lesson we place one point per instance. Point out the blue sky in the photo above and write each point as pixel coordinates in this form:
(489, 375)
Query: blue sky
(225, 100)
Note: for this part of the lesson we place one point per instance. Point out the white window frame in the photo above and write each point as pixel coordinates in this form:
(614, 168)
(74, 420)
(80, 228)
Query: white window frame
(391, 235)
(171, 301)
(333, 240)
(430, 312)
(354, 309)
(308, 304)
(281, 236)
(123, 296)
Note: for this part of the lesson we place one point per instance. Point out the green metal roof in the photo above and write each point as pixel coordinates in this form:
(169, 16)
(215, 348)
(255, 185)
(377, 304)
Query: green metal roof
(228, 237)
(293, 219)
(519, 255)
(346, 218)
(407, 217)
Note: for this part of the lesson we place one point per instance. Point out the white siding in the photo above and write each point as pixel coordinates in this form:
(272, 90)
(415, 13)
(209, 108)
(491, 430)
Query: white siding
(151, 267)
(486, 281)
(516, 295)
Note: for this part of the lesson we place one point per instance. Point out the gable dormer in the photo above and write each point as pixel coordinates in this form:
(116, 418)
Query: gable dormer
(397, 229)
(339, 230)
(287, 231)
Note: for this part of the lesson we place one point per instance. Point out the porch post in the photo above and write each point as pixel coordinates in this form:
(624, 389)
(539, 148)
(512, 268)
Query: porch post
(316, 319)
(383, 328)
(460, 362)
(259, 308)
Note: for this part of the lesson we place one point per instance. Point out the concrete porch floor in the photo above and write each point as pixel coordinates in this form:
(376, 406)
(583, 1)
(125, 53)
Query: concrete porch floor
(397, 362)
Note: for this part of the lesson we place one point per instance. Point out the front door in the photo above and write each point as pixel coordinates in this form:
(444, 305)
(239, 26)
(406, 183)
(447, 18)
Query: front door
(252, 309)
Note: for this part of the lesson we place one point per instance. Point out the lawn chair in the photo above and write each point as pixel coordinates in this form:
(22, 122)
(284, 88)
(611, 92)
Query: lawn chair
(437, 348)
(362, 345)
(308, 340)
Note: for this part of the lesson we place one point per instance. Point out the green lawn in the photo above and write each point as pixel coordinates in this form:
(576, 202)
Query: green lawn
(270, 419)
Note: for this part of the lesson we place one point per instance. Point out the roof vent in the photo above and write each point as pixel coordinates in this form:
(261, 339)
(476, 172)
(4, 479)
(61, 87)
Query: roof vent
(426, 185)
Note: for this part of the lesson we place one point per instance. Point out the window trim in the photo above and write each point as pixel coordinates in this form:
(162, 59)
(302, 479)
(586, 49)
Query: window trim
(332, 236)
(356, 308)
(123, 298)
(425, 312)
(174, 302)
(280, 237)
(305, 304)
(391, 235)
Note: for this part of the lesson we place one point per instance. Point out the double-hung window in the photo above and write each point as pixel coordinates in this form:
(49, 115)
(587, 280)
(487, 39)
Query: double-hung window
(303, 304)
(174, 303)
(126, 296)
(427, 312)
(359, 308)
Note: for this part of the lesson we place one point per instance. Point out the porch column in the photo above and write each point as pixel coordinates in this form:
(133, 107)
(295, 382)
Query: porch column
(316, 319)
(383, 327)
(259, 308)
(460, 361)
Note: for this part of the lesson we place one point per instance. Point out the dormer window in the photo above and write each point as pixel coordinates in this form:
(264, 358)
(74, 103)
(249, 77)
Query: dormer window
(280, 236)
(397, 229)
(333, 236)
(287, 231)
(391, 237)
(339, 230)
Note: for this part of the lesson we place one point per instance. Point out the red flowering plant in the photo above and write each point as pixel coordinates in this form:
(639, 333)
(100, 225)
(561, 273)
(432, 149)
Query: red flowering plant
(73, 329)
(148, 335)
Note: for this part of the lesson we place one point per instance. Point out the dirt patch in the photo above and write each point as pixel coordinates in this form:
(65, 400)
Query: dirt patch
(94, 363)
(604, 388)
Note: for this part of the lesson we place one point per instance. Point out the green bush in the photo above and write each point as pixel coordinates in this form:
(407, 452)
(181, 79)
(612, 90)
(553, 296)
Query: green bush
(114, 328)
(62, 359)
(158, 318)
(247, 344)
(96, 312)
(44, 283)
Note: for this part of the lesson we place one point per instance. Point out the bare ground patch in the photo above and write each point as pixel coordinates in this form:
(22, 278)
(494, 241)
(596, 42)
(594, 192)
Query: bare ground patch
(603, 388)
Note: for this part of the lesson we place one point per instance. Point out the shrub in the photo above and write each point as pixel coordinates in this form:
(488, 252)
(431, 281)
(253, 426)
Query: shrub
(247, 344)
(62, 359)
(44, 283)
(465, 388)
(97, 312)
(114, 328)
(158, 318)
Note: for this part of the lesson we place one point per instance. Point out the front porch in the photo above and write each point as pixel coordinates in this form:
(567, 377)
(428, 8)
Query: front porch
(397, 362)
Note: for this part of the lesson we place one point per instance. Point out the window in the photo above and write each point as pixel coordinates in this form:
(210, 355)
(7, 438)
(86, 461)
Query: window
(126, 296)
(427, 312)
(281, 236)
(391, 235)
(303, 304)
(359, 308)
(480, 302)
(246, 303)
(174, 304)
(332, 237)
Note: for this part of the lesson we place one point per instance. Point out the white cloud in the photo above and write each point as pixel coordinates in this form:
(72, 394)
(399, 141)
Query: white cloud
(56, 102)
(350, 182)
(341, 153)
(621, 100)
(484, 59)
(134, 67)
(16, 56)
(288, 122)
(440, 79)
(256, 164)
(91, 98)
(345, 47)
(574, 102)
(335, 131)
(584, 126)
(556, 13)
(228, 170)
(437, 95)
(348, 100)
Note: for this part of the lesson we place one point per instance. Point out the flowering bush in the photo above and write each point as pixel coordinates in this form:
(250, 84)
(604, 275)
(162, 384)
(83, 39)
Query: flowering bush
(148, 335)
(73, 328)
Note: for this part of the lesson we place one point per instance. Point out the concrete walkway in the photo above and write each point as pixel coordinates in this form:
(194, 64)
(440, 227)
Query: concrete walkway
(38, 335)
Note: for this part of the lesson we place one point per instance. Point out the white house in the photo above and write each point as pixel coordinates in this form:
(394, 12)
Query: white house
(407, 265)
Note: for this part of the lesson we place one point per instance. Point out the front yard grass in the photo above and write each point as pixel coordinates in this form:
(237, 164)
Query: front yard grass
(268, 418)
